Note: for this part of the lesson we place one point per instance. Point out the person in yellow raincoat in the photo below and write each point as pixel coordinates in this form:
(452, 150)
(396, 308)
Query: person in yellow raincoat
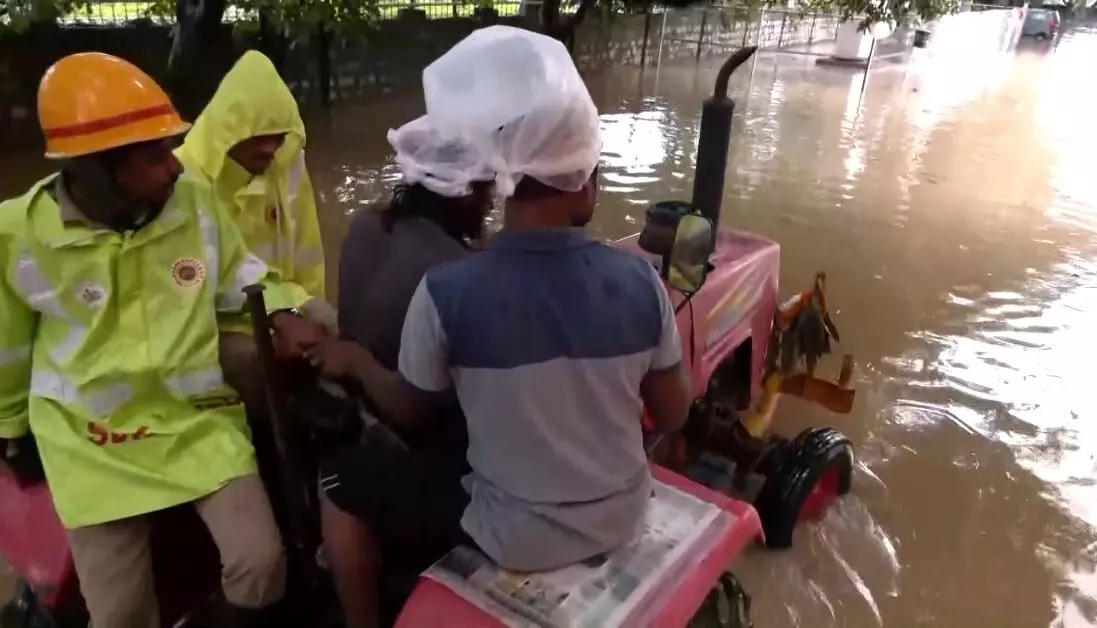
(249, 142)
(114, 274)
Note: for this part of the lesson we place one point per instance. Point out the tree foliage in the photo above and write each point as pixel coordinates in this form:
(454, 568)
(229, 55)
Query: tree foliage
(893, 12)
(17, 15)
(299, 20)
(279, 23)
(292, 19)
(560, 18)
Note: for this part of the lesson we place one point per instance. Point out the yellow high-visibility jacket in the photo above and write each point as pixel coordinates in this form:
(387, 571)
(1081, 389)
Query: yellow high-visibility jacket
(109, 350)
(275, 211)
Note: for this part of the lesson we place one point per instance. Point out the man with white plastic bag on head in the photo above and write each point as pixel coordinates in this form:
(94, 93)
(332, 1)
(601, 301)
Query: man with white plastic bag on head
(553, 342)
(400, 492)
(438, 208)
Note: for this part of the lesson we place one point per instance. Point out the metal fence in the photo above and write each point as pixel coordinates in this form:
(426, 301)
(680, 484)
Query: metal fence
(780, 28)
(730, 26)
(119, 13)
(107, 13)
(976, 7)
(443, 10)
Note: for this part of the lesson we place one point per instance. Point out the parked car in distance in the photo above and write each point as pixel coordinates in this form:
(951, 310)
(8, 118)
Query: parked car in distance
(1041, 24)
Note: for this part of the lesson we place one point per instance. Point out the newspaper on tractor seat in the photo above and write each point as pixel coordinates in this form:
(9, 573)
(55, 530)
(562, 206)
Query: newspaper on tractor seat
(619, 588)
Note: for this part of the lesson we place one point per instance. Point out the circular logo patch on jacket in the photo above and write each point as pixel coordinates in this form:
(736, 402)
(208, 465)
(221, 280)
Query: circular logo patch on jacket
(187, 272)
(91, 295)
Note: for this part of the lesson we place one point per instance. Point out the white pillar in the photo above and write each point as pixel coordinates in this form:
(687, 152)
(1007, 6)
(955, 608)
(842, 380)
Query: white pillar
(853, 43)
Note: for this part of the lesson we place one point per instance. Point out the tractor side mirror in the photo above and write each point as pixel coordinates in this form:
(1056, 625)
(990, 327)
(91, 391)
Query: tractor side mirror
(687, 263)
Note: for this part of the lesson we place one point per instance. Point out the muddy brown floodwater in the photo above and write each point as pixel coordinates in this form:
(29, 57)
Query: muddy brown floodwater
(954, 206)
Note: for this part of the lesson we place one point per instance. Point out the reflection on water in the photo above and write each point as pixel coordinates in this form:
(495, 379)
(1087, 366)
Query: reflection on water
(961, 230)
(953, 206)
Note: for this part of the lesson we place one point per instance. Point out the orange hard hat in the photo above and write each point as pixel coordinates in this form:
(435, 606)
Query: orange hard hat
(91, 102)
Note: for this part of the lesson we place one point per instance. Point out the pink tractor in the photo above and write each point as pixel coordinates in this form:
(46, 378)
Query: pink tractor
(740, 345)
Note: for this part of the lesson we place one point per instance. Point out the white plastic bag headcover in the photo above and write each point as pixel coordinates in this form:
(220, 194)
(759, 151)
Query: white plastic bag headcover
(518, 95)
(445, 165)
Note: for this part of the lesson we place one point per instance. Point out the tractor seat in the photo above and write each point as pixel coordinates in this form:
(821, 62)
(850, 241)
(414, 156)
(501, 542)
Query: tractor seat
(648, 582)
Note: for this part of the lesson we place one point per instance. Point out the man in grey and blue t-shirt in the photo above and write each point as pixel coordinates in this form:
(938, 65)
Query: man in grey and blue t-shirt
(548, 337)
(554, 344)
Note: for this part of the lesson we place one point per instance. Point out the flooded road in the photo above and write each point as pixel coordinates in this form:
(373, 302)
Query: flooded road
(954, 207)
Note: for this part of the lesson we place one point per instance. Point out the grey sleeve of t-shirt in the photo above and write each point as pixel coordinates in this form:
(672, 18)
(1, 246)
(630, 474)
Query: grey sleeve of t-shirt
(358, 260)
(424, 351)
(668, 351)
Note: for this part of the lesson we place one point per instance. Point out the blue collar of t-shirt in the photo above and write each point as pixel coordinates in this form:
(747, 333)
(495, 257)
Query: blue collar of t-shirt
(542, 240)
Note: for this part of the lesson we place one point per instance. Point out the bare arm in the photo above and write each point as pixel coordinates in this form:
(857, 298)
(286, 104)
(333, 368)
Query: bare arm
(666, 395)
(666, 388)
(402, 404)
(423, 380)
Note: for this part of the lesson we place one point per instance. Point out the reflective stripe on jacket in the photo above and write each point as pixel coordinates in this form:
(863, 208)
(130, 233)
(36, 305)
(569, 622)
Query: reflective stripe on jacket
(109, 351)
(275, 211)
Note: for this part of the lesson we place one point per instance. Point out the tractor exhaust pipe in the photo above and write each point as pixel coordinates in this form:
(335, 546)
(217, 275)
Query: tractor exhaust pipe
(712, 150)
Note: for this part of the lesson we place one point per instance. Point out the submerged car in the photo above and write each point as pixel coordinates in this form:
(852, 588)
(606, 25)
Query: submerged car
(1041, 24)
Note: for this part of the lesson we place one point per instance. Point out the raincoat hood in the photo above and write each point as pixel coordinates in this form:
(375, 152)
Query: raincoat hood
(251, 100)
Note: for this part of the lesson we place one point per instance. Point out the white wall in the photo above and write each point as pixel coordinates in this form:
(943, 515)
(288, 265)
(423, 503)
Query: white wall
(976, 33)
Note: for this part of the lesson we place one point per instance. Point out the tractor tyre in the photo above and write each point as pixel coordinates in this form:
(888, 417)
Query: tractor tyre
(812, 471)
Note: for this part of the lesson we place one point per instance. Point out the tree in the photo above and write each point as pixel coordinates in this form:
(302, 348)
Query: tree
(320, 21)
(893, 12)
(17, 15)
(560, 18)
(273, 25)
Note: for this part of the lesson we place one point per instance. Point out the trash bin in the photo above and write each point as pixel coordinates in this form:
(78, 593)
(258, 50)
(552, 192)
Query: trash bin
(921, 38)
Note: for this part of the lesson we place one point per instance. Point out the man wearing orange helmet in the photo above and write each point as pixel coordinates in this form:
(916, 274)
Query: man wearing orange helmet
(115, 274)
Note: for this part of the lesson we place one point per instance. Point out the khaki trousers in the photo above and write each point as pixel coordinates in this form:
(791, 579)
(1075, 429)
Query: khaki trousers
(240, 367)
(115, 566)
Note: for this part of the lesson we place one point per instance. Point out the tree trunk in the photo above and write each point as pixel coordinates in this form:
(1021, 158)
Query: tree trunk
(197, 22)
(550, 17)
(561, 27)
(271, 42)
(194, 52)
(323, 63)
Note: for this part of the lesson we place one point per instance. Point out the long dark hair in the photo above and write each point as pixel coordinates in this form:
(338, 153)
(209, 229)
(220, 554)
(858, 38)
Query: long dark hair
(462, 218)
